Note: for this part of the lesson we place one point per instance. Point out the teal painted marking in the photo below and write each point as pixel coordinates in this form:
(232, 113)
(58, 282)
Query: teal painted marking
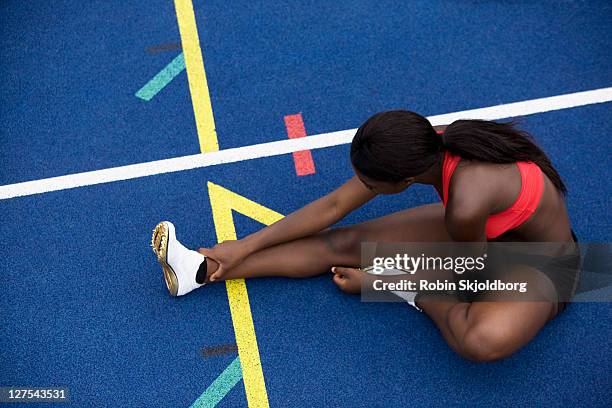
(162, 79)
(221, 386)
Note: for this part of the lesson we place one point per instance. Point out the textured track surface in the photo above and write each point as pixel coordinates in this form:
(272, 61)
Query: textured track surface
(84, 302)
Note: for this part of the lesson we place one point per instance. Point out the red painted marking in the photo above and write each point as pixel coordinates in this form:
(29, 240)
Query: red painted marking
(304, 164)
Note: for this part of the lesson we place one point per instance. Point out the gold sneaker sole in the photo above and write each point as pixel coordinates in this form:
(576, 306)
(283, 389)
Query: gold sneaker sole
(159, 242)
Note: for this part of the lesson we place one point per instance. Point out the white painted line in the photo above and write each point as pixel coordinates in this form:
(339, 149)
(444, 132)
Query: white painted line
(286, 146)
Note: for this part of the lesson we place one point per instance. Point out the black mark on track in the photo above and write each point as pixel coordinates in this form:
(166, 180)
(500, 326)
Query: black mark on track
(218, 350)
(164, 47)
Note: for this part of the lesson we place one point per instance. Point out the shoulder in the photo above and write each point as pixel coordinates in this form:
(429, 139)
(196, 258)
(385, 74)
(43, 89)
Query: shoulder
(472, 197)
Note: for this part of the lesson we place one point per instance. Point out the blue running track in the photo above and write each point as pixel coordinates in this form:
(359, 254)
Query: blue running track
(83, 300)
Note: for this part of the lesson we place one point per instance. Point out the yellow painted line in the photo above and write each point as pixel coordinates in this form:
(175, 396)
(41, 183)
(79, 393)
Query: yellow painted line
(196, 75)
(223, 201)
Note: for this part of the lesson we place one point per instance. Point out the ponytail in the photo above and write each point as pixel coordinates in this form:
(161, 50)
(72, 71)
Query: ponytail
(394, 145)
(494, 142)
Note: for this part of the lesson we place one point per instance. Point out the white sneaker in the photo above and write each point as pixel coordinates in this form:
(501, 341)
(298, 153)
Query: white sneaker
(180, 265)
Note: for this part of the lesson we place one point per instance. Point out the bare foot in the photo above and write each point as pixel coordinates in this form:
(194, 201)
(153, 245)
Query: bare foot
(348, 279)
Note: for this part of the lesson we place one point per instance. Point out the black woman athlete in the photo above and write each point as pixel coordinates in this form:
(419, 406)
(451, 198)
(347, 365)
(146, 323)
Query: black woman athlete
(496, 184)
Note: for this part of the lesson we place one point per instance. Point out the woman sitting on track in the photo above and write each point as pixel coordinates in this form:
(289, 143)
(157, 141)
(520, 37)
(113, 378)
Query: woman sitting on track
(495, 184)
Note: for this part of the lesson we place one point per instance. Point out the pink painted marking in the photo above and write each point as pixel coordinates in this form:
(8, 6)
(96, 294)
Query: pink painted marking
(304, 164)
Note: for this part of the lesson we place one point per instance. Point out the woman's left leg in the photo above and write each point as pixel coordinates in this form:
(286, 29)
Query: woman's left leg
(489, 329)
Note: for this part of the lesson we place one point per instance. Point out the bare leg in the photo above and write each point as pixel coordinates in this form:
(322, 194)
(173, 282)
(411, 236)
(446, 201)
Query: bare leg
(481, 331)
(487, 331)
(316, 254)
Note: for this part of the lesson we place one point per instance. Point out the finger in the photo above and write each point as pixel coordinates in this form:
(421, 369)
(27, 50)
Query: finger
(338, 280)
(218, 274)
(206, 252)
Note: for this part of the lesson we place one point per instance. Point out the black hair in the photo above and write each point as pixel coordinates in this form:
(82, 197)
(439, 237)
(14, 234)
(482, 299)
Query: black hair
(394, 145)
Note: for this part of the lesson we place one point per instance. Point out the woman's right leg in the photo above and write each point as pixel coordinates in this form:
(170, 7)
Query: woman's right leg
(316, 254)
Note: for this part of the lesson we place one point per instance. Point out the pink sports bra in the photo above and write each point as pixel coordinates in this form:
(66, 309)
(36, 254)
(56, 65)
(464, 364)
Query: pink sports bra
(532, 188)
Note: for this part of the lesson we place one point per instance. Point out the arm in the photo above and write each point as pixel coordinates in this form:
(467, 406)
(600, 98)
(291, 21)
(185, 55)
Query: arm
(313, 217)
(466, 224)
(472, 198)
(306, 221)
